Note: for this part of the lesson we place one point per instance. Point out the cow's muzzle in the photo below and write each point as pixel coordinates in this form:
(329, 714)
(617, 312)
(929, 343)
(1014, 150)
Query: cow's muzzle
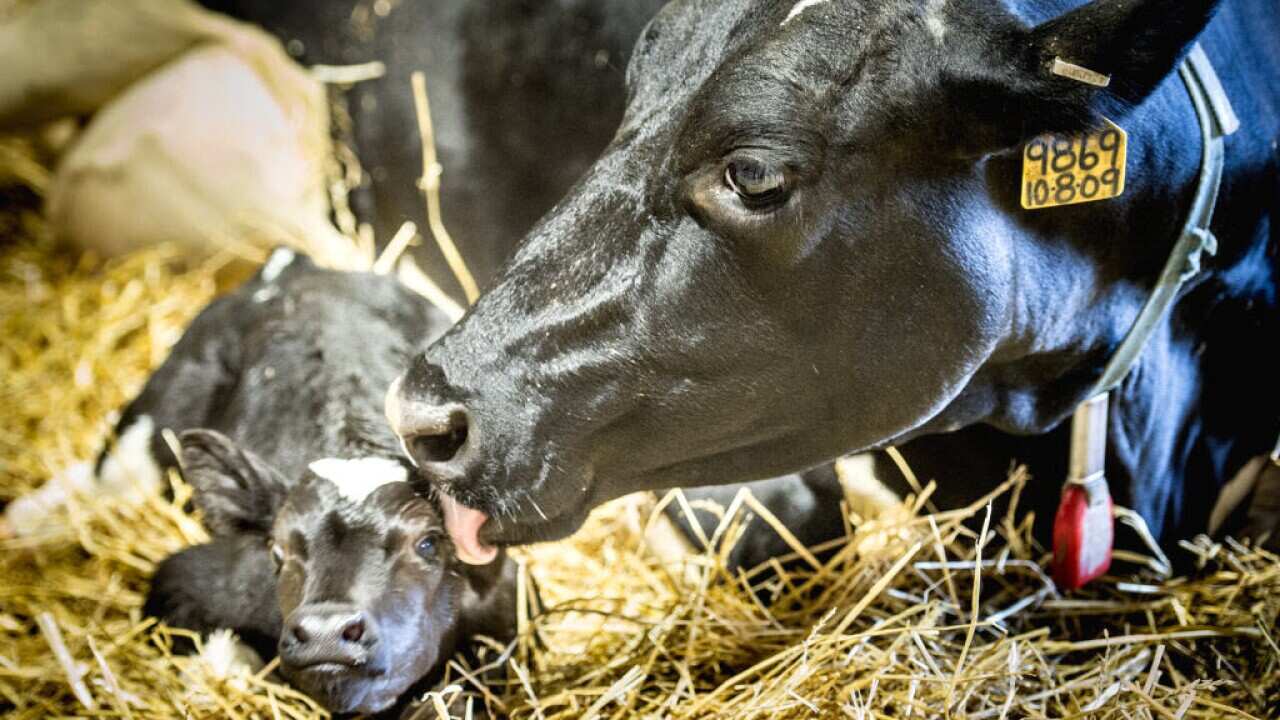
(439, 439)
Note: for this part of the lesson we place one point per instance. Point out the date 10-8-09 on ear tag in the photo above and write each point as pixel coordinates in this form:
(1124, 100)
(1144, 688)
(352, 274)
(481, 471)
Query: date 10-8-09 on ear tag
(1070, 169)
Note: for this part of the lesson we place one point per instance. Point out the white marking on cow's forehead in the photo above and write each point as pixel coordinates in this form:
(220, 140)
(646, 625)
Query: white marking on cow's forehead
(279, 260)
(799, 8)
(357, 478)
(266, 294)
(934, 19)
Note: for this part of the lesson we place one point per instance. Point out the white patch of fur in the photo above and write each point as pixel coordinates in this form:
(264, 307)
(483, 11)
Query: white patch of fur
(222, 659)
(37, 512)
(799, 8)
(665, 540)
(933, 19)
(868, 497)
(129, 470)
(129, 473)
(225, 657)
(879, 514)
(265, 294)
(279, 260)
(356, 479)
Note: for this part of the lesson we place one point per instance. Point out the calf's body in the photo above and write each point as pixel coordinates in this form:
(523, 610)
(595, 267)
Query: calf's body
(322, 550)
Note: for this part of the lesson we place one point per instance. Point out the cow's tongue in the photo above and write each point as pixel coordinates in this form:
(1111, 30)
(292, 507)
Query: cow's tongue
(463, 524)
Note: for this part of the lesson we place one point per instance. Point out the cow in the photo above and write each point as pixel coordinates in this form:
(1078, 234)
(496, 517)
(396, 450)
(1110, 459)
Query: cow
(270, 403)
(806, 239)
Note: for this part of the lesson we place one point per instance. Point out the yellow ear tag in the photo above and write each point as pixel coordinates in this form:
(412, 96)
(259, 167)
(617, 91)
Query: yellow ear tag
(1070, 169)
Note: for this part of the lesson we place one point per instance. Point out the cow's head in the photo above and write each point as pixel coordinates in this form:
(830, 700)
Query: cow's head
(371, 596)
(804, 241)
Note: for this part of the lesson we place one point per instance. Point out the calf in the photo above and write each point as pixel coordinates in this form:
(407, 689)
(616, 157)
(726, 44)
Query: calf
(274, 393)
(806, 239)
(346, 571)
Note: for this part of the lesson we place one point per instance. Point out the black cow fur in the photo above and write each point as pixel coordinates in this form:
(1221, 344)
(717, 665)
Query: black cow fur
(663, 326)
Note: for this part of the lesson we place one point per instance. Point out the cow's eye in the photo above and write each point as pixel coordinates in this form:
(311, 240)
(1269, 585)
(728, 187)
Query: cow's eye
(277, 555)
(759, 184)
(428, 547)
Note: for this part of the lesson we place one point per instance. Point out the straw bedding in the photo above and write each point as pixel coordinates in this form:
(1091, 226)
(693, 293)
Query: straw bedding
(890, 622)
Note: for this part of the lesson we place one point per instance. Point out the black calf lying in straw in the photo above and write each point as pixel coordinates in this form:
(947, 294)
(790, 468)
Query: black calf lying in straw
(349, 571)
(321, 544)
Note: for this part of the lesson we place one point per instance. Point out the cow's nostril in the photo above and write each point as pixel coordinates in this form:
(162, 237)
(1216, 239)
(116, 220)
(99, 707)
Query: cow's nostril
(441, 444)
(300, 635)
(353, 631)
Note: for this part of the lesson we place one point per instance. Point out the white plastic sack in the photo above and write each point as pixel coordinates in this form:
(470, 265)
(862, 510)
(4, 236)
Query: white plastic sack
(201, 152)
(68, 57)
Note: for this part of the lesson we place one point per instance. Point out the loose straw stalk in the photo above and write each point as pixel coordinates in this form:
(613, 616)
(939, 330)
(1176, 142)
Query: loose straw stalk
(430, 185)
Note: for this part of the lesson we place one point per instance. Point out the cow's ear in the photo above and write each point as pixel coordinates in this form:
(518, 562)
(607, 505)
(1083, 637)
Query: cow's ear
(1137, 43)
(237, 491)
(1134, 44)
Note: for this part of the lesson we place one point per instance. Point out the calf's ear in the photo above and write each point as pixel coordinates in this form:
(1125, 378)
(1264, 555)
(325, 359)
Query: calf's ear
(1136, 44)
(237, 491)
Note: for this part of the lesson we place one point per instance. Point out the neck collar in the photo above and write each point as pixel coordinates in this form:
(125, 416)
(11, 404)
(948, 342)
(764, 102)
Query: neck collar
(1083, 528)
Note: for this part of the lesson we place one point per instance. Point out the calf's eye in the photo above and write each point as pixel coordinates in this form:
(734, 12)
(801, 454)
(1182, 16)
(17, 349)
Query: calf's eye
(427, 547)
(758, 183)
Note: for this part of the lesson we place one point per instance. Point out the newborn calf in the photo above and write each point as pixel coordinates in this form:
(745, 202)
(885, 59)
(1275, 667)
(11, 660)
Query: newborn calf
(348, 570)
(274, 398)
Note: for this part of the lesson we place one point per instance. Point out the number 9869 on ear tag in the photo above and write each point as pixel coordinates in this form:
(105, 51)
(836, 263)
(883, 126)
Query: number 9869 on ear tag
(1070, 169)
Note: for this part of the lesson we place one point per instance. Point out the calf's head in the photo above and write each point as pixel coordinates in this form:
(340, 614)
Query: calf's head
(370, 595)
(803, 241)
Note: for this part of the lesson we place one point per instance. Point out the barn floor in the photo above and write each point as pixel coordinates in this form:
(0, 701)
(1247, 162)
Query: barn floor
(892, 622)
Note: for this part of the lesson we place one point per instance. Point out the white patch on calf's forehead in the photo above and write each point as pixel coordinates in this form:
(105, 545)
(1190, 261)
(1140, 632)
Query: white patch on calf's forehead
(279, 260)
(799, 8)
(357, 478)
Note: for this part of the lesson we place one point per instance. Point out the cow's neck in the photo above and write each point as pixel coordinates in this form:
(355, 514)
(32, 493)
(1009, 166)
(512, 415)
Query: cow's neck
(1204, 398)
(1201, 399)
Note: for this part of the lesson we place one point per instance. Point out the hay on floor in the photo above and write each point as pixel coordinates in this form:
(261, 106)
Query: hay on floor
(912, 615)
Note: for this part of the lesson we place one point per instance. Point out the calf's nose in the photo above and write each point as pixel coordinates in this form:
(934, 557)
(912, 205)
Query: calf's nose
(327, 634)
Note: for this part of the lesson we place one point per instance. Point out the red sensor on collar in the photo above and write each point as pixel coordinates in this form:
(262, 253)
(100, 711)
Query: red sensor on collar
(1083, 534)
